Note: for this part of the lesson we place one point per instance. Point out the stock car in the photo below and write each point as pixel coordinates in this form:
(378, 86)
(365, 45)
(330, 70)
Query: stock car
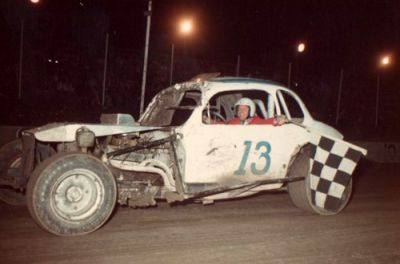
(72, 175)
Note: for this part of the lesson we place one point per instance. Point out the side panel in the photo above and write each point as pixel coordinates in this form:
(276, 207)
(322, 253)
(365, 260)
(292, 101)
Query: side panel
(230, 154)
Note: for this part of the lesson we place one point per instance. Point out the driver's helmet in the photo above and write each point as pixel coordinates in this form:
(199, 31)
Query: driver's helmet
(248, 102)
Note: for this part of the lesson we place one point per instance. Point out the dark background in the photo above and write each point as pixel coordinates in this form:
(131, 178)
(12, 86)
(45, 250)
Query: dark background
(348, 35)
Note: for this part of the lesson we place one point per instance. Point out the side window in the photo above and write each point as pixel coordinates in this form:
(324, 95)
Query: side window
(290, 106)
(221, 107)
(184, 110)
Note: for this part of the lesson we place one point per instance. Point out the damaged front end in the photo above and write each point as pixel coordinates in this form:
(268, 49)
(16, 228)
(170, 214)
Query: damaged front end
(141, 158)
(147, 170)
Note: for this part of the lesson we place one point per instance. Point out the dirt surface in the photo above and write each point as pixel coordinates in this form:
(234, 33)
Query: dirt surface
(262, 229)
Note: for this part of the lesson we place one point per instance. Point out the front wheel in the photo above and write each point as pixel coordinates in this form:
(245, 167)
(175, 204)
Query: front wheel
(71, 194)
(10, 173)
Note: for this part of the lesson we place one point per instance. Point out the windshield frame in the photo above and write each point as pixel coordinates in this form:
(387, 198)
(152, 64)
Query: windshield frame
(163, 106)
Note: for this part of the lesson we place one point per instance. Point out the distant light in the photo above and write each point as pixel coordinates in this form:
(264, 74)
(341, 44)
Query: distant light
(81, 3)
(35, 1)
(49, 60)
(385, 60)
(186, 26)
(301, 47)
(56, 61)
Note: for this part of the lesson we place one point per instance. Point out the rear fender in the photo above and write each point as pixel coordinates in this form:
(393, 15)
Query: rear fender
(299, 165)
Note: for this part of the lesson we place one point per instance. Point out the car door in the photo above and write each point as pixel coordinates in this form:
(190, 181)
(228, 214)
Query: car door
(230, 154)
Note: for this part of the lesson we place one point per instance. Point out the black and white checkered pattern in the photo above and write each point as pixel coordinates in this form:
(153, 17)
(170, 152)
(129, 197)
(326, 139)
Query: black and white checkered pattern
(332, 164)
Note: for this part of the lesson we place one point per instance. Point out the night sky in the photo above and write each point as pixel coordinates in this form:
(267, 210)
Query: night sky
(338, 34)
(335, 31)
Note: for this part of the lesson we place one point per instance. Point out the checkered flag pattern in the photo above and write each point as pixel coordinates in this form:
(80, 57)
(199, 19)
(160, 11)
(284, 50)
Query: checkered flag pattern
(332, 163)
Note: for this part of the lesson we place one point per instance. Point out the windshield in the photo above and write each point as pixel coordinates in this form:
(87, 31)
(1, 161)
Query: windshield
(171, 107)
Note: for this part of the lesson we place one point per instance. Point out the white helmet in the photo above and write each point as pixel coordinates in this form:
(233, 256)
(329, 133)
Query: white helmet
(248, 102)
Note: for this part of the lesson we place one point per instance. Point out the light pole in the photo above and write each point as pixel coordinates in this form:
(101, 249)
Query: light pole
(21, 52)
(300, 48)
(185, 28)
(171, 67)
(383, 62)
(21, 59)
(146, 53)
(339, 95)
(103, 94)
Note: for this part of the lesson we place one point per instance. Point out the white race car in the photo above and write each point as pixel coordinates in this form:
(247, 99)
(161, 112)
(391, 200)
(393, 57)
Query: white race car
(72, 175)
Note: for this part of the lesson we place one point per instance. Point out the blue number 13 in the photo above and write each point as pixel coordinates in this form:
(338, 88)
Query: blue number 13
(263, 155)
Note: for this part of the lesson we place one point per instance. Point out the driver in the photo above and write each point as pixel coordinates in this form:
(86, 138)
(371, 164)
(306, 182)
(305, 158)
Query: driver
(246, 115)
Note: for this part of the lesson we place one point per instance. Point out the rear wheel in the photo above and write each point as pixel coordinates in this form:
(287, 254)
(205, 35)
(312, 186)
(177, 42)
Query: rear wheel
(71, 194)
(343, 203)
(300, 192)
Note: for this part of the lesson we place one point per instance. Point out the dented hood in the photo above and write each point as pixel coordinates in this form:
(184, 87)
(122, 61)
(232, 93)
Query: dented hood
(65, 132)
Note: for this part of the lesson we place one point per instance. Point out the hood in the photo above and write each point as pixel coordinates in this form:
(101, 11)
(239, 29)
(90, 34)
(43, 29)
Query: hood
(66, 132)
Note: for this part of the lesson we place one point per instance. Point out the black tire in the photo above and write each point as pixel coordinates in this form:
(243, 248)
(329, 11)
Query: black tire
(10, 169)
(300, 192)
(71, 194)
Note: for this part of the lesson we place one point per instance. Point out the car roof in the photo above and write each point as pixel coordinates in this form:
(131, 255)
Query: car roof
(242, 80)
(219, 84)
(238, 83)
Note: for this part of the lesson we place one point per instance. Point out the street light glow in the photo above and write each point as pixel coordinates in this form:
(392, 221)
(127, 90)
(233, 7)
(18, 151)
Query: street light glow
(301, 47)
(385, 60)
(186, 26)
(35, 1)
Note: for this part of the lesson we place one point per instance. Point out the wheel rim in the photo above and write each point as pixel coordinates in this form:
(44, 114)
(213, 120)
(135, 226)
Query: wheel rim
(77, 195)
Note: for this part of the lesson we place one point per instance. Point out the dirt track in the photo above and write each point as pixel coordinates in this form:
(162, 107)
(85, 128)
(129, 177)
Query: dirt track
(262, 229)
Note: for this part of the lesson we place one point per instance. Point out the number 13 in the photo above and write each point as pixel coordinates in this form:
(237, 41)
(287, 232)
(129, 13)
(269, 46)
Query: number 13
(264, 155)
